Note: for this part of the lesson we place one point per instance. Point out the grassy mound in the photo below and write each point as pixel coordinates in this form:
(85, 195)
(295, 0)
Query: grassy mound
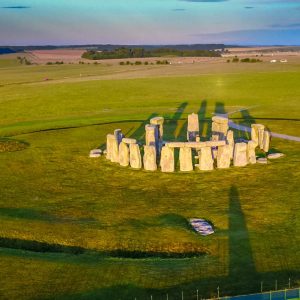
(8, 145)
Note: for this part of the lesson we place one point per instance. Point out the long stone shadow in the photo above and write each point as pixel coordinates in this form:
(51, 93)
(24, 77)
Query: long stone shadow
(220, 108)
(240, 253)
(201, 114)
(139, 133)
(173, 127)
(247, 120)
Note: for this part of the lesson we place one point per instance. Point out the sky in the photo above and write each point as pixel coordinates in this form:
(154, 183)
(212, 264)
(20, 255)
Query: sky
(70, 22)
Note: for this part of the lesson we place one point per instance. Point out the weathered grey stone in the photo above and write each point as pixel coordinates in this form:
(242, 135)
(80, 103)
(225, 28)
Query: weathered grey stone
(262, 160)
(124, 156)
(95, 153)
(193, 127)
(118, 135)
(254, 133)
(251, 152)
(240, 158)
(135, 156)
(266, 141)
(206, 162)
(152, 136)
(129, 141)
(150, 158)
(110, 138)
(159, 121)
(257, 134)
(185, 159)
(224, 157)
(114, 150)
(219, 128)
(167, 160)
(230, 142)
(275, 155)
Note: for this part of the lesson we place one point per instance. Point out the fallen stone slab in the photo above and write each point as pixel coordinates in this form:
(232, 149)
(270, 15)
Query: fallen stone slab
(95, 153)
(262, 160)
(275, 155)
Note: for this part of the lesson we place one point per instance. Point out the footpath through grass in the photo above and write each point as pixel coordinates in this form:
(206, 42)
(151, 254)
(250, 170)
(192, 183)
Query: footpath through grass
(79, 228)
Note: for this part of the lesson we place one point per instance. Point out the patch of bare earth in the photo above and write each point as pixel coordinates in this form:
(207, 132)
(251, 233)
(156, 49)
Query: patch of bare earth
(57, 55)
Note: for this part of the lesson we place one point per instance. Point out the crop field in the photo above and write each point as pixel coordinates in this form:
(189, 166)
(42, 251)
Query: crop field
(72, 227)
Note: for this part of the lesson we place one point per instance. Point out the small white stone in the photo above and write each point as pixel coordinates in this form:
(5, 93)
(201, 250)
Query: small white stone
(95, 153)
(262, 160)
(275, 155)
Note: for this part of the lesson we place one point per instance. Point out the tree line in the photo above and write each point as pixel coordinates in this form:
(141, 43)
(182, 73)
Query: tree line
(141, 52)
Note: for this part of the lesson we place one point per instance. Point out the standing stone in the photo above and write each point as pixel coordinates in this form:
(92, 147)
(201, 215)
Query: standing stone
(230, 142)
(257, 134)
(159, 121)
(118, 135)
(240, 158)
(114, 150)
(185, 159)
(219, 128)
(266, 141)
(206, 162)
(261, 134)
(193, 127)
(150, 158)
(251, 152)
(167, 160)
(124, 154)
(152, 136)
(135, 156)
(224, 157)
(109, 139)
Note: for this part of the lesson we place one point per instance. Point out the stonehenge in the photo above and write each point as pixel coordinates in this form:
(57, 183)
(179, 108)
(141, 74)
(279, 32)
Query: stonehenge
(219, 151)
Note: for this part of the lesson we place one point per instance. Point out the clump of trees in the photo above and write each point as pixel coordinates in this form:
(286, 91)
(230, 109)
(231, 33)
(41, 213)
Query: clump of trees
(124, 52)
(55, 63)
(244, 60)
(146, 63)
(24, 61)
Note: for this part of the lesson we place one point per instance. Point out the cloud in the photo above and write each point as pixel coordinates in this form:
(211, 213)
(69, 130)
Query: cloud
(249, 7)
(16, 7)
(178, 9)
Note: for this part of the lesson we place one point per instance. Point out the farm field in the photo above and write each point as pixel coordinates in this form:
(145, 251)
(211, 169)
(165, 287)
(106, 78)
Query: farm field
(72, 227)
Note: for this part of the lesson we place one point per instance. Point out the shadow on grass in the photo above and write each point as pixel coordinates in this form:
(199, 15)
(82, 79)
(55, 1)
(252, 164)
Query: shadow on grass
(240, 277)
(42, 247)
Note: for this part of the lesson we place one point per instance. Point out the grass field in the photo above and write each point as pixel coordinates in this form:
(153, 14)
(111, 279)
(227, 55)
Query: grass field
(72, 227)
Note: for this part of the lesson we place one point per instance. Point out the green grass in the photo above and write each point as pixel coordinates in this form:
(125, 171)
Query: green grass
(53, 197)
